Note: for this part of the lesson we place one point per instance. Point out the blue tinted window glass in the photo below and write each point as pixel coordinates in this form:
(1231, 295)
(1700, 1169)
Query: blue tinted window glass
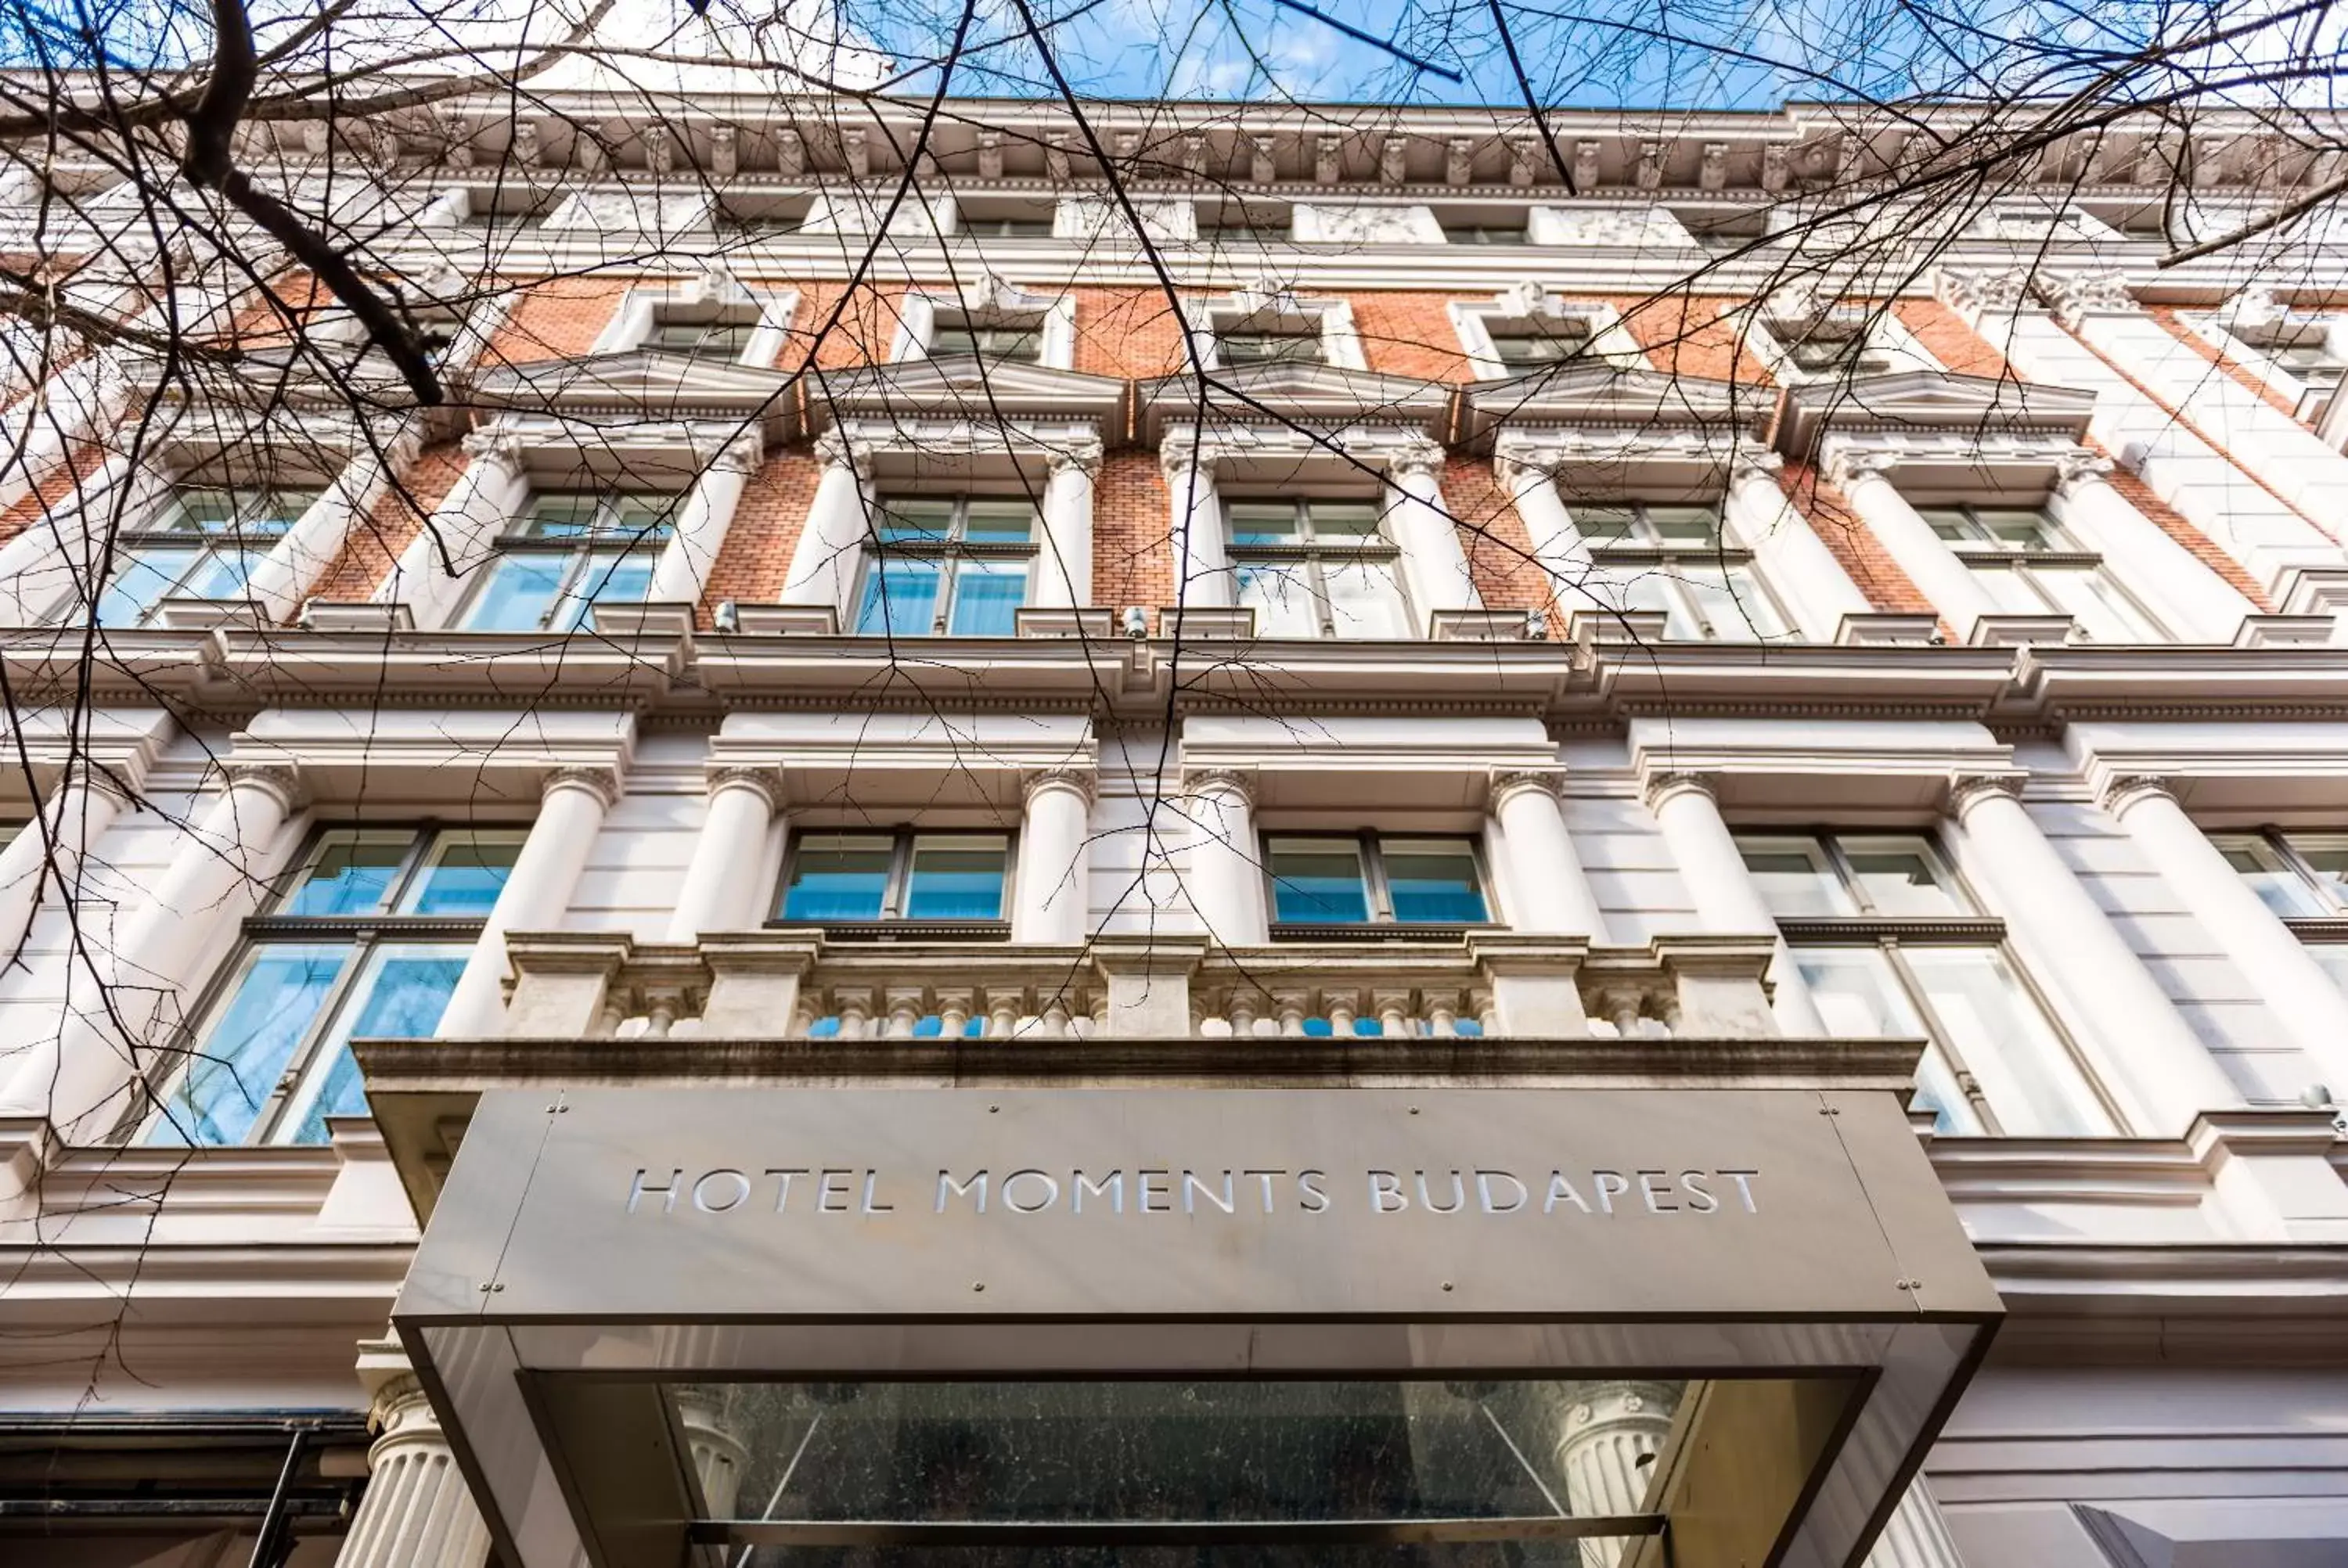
(610, 579)
(348, 874)
(1433, 881)
(1318, 880)
(141, 578)
(836, 877)
(401, 997)
(955, 879)
(243, 1053)
(464, 877)
(900, 599)
(518, 595)
(987, 597)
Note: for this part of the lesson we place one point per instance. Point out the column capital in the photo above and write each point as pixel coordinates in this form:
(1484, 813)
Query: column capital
(503, 447)
(2003, 289)
(2075, 471)
(279, 779)
(1036, 781)
(2073, 295)
(603, 782)
(729, 451)
(1967, 791)
(1852, 464)
(1182, 453)
(1418, 458)
(1665, 786)
(765, 782)
(96, 777)
(1751, 463)
(835, 449)
(1083, 457)
(1507, 782)
(2123, 791)
(1240, 782)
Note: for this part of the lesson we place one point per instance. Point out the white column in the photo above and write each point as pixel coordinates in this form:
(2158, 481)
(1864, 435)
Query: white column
(684, 568)
(2300, 995)
(1202, 569)
(2149, 1057)
(459, 539)
(1545, 882)
(38, 566)
(830, 550)
(1928, 563)
(284, 578)
(719, 1455)
(2194, 602)
(724, 888)
(1915, 1536)
(119, 999)
(1226, 878)
(1687, 809)
(1421, 528)
(1055, 895)
(47, 852)
(1799, 567)
(417, 1511)
(537, 892)
(1064, 571)
(1557, 545)
(1606, 1448)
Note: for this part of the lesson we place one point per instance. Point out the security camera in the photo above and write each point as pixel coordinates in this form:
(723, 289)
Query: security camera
(1137, 623)
(1536, 626)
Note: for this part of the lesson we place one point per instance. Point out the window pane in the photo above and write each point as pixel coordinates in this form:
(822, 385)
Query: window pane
(1318, 880)
(987, 597)
(1857, 994)
(999, 522)
(1281, 594)
(610, 577)
(1342, 522)
(244, 1049)
(2012, 591)
(199, 510)
(1606, 525)
(836, 876)
(1263, 348)
(952, 340)
(2020, 530)
(2333, 958)
(464, 874)
(1729, 603)
(2327, 855)
(142, 577)
(2276, 884)
(400, 995)
(1263, 523)
(274, 512)
(562, 515)
(519, 595)
(221, 573)
(906, 519)
(955, 878)
(1656, 588)
(2095, 604)
(900, 599)
(349, 873)
(1366, 599)
(1684, 525)
(2027, 1077)
(1432, 880)
(1795, 879)
(1900, 877)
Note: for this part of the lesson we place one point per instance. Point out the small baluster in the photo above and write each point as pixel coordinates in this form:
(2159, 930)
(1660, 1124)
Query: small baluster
(614, 1013)
(1003, 1012)
(1443, 1013)
(1291, 1007)
(1055, 1018)
(1094, 1025)
(804, 1012)
(854, 1006)
(953, 1013)
(661, 1008)
(1392, 1009)
(1622, 1009)
(1667, 1007)
(904, 1003)
(1486, 1012)
(1242, 1011)
(1344, 1007)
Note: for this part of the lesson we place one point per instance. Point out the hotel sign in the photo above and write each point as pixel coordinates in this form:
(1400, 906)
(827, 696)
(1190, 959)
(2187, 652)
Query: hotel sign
(665, 1204)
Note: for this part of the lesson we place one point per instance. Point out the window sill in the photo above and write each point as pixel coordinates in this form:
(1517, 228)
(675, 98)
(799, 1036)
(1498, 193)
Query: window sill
(462, 927)
(901, 930)
(1373, 931)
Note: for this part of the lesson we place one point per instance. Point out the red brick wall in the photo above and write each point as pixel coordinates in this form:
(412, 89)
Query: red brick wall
(1947, 338)
(1410, 334)
(378, 539)
(557, 318)
(1134, 333)
(864, 332)
(2173, 523)
(1500, 546)
(54, 493)
(755, 562)
(1685, 334)
(1133, 547)
(2239, 372)
(1833, 519)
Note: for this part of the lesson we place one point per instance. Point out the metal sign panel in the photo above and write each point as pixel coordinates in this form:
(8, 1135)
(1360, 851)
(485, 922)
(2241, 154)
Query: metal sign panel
(1103, 1204)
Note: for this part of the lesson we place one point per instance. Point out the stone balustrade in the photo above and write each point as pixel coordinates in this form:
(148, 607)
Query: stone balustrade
(797, 984)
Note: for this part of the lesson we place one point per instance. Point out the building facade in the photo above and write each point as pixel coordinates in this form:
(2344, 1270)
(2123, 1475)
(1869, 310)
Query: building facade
(1829, 805)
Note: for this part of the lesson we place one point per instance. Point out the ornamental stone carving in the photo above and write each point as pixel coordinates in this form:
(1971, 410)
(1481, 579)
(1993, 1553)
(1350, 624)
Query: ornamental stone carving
(1240, 782)
(1038, 780)
(278, 779)
(2001, 290)
(2126, 790)
(1419, 460)
(1507, 782)
(765, 782)
(1075, 457)
(1853, 463)
(2071, 298)
(1967, 791)
(2077, 470)
(729, 452)
(835, 448)
(1751, 463)
(1662, 787)
(603, 782)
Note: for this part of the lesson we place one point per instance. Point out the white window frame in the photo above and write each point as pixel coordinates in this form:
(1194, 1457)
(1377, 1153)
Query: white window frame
(1772, 336)
(1609, 340)
(1340, 342)
(1615, 563)
(2222, 331)
(2069, 552)
(642, 307)
(918, 314)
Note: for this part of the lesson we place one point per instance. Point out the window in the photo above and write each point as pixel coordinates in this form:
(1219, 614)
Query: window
(2301, 347)
(855, 877)
(2303, 877)
(1007, 228)
(2029, 565)
(1316, 569)
(941, 565)
(1672, 558)
(1521, 344)
(726, 341)
(1484, 233)
(989, 340)
(1831, 346)
(1889, 944)
(1371, 880)
(1298, 346)
(569, 551)
(204, 544)
(365, 940)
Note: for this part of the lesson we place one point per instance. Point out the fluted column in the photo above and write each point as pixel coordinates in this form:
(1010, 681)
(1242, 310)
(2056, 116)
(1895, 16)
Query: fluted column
(719, 1455)
(537, 892)
(1202, 568)
(1687, 808)
(1226, 878)
(2149, 1057)
(49, 851)
(723, 890)
(2299, 994)
(1558, 544)
(1422, 528)
(830, 550)
(1801, 570)
(1915, 1536)
(1064, 576)
(1055, 895)
(1546, 883)
(38, 567)
(2193, 601)
(1608, 1438)
(284, 577)
(417, 1511)
(1928, 563)
(116, 998)
(682, 573)
(460, 537)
